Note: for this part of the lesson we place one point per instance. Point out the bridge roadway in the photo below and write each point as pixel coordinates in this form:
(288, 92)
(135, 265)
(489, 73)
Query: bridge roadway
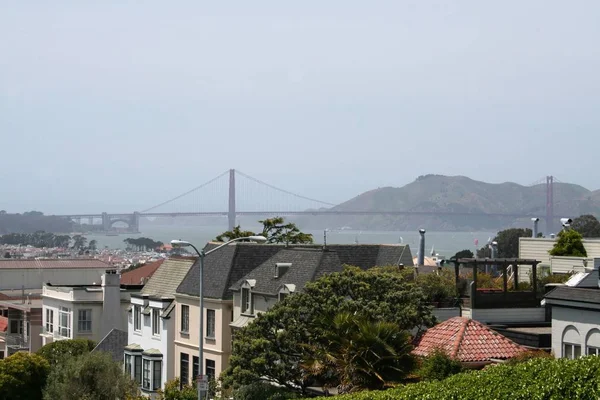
(287, 213)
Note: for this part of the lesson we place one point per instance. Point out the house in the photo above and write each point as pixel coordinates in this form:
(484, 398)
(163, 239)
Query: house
(31, 274)
(140, 275)
(24, 325)
(470, 342)
(223, 270)
(148, 356)
(3, 328)
(575, 313)
(86, 311)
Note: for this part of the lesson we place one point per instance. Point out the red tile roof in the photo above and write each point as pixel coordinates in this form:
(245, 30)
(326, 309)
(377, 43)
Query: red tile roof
(467, 340)
(54, 263)
(3, 323)
(136, 277)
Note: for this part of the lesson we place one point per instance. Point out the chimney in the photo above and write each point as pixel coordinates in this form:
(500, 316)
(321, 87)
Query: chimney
(534, 233)
(494, 248)
(111, 302)
(552, 236)
(421, 255)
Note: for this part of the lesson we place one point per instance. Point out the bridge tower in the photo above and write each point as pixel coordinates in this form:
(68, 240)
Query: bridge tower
(105, 222)
(549, 205)
(134, 226)
(231, 211)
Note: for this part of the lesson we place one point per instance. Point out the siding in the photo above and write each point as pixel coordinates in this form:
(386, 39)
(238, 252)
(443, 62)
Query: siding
(537, 314)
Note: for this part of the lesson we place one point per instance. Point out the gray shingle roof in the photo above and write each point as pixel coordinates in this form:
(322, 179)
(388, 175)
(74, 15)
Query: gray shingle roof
(114, 343)
(307, 264)
(568, 293)
(368, 256)
(167, 277)
(225, 267)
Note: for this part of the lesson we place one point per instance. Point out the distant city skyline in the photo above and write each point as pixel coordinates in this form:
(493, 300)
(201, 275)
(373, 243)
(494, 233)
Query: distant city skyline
(114, 106)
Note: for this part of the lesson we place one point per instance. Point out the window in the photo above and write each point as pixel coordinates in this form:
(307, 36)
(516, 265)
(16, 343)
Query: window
(84, 322)
(195, 366)
(571, 351)
(146, 376)
(128, 365)
(185, 318)
(210, 369)
(282, 296)
(49, 320)
(64, 322)
(593, 351)
(157, 375)
(210, 324)
(247, 306)
(16, 326)
(155, 321)
(184, 369)
(137, 318)
(138, 369)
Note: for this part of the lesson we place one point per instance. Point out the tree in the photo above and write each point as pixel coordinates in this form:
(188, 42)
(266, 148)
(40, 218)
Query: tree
(438, 288)
(278, 341)
(464, 254)
(587, 225)
(92, 376)
(174, 391)
(274, 229)
(22, 376)
(358, 353)
(79, 242)
(58, 352)
(93, 245)
(7, 254)
(508, 243)
(569, 244)
(438, 365)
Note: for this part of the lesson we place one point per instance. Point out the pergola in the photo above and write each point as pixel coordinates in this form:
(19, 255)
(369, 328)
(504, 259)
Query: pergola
(505, 298)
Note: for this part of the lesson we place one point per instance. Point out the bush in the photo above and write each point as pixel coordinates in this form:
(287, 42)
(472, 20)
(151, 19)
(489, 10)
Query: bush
(438, 366)
(58, 352)
(539, 378)
(263, 391)
(22, 376)
(438, 288)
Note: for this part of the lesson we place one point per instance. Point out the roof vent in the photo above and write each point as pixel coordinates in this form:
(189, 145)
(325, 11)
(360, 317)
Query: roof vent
(281, 268)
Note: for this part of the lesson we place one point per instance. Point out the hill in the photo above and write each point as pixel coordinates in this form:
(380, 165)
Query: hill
(458, 194)
(32, 221)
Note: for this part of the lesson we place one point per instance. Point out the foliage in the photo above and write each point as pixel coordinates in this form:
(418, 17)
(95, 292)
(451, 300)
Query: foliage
(22, 376)
(438, 366)
(274, 229)
(279, 340)
(58, 352)
(92, 376)
(438, 288)
(33, 221)
(358, 353)
(93, 245)
(172, 391)
(79, 242)
(142, 243)
(466, 253)
(569, 243)
(540, 378)
(263, 391)
(38, 239)
(508, 243)
(529, 355)
(587, 225)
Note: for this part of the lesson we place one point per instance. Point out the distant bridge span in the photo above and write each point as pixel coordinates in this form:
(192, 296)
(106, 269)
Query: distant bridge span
(132, 219)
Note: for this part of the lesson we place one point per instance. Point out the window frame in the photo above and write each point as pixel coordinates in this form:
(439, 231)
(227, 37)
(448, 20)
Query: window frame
(572, 347)
(182, 357)
(156, 377)
(195, 367)
(85, 323)
(49, 320)
(211, 323)
(156, 321)
(137, 317)
(64, 312)
(128, 364)
(210, 371)
(146, 373)
(185, 319)
(247, 303)
(595, 351)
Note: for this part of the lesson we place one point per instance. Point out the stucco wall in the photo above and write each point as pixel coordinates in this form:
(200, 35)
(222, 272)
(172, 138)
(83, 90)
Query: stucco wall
(585, 321)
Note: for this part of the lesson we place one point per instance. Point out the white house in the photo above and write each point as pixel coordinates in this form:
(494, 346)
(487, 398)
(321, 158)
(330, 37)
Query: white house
(85, 311)
(148, 356)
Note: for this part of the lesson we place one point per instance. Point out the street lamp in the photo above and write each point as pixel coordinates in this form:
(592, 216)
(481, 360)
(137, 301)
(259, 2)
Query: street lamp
(202, 391)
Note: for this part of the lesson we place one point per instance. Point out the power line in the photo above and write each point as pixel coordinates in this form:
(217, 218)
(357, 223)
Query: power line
(186, 193)
(283, 190)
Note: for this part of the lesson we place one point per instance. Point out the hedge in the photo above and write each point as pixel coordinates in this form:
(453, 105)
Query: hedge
(537, 379)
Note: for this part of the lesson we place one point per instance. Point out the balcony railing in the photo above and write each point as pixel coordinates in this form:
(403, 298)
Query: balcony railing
(16, 341)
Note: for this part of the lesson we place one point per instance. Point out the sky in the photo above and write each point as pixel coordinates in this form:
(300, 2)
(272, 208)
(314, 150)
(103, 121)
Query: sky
(119, 105)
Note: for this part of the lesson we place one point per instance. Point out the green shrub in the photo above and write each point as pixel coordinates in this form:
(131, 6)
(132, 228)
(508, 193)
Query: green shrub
(438, 366)
(539, 378)
(263, 391)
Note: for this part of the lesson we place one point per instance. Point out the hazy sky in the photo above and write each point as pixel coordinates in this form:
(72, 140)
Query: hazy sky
(119, 105)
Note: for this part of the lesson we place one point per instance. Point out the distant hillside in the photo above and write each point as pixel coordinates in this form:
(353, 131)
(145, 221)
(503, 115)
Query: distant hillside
(32, 221)
(458, 194)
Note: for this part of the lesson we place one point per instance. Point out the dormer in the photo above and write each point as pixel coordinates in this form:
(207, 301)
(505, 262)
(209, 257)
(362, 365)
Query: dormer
(286, 290)
(247, 301)
(281, 269)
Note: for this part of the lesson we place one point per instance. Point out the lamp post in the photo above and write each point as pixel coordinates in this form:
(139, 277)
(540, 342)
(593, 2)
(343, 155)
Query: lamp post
(201, 253)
